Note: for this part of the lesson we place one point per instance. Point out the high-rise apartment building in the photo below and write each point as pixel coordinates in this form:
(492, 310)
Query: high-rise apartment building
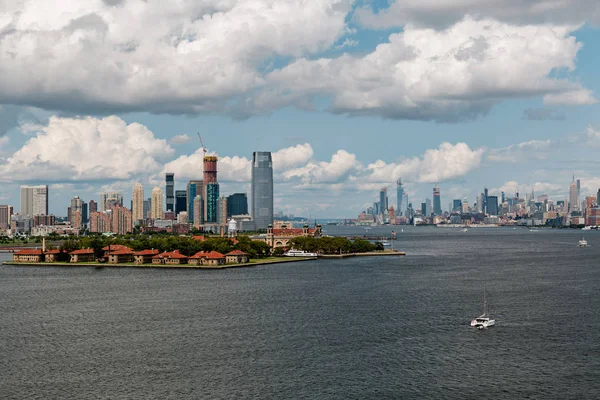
(492, 205)
(147, 207)
(170, 191)
(210, 204)
(428, 209)
(5, 213)
(222, 210)
(262, 189)
(180, 201)
(399, 196)
(198, 211)
(437, 201)
(157, 204)
(34, 200)
(137, 206)
(93, 207)
(74, 212)
(194, 188)
(121, 220)
(103, 198)
(100, 222)
(383, 200)
(84, 213)
(237, 204)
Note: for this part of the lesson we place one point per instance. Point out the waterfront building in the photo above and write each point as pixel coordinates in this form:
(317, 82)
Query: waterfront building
(211, 208)
(593, 217)
(280, 236)
(121, 220)
(82, 255)
(211, 258)
(194, 188)
(437, 201)
(6, 212)
(399, 196)
(172, 257)
(180, 201)
(170, 190)
(28, 255)
(157, 204)
(236, 257)
(262, 189)
(34, 200)
(237, 204)
(137, 207)
(144, 256)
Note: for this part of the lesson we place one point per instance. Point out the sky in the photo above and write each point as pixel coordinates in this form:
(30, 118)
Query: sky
(348, 95)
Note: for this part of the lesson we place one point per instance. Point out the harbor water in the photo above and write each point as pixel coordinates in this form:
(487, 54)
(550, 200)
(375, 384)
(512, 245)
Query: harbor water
(356, 328)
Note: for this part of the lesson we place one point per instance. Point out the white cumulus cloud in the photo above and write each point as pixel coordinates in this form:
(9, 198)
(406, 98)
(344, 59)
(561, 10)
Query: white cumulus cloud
(180, 139)
(78, 149)
(337, 169)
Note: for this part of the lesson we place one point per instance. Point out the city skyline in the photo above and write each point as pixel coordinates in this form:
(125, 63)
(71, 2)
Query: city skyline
(375, 93)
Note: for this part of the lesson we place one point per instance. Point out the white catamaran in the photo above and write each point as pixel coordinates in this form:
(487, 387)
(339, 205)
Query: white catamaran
(484, 320)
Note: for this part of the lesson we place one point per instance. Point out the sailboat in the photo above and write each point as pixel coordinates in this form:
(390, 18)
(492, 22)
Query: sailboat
(484, 320)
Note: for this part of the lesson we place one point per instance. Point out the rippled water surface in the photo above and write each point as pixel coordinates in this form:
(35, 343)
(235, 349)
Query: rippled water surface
(357, 328)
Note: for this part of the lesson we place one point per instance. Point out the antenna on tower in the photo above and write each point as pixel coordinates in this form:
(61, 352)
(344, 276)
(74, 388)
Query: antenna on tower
(202, 144)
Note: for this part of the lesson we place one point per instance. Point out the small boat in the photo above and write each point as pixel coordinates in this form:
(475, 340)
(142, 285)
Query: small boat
(464, 230)
(586, 228)
(385, 243)
(484, 320)
(582, 243)
(299, 253)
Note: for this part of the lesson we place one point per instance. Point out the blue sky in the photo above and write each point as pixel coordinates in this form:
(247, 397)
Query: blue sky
(348, 95)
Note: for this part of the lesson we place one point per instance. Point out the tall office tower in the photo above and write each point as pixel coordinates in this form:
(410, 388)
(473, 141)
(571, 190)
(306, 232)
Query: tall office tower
(578, 188)
(457, 205)
(492, 205)
(437, 201)
(180, 201)
(375, 209)
(210, 204)
(121, 220)
(485, 195)
(237, 204)
(503, 197)
(194, 188)
(137, 206)
(222, 210)
(103, 198)
(5, 213)
(598, 198)
(405, 201)
(573, 196)
(84, 213)
(170, 191)
(93, 207)
(382, 200)
(465, 206)
(157, 204)
(480, 203)
(34, 200)
(209, 165)
(424, 209)
(100, 222)
(262, 189)
(147, 207)
(198, 211)
(74, 212)
(399, 196)
(429, 210)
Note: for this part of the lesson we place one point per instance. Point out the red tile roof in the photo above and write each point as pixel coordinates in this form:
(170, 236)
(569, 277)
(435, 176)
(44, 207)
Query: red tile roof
(120, 252)
(146, 252)
(236, 253)
(29, 252)
(208, 254)
(82, 251)
(116, 247)
(172, 254)
(55, 251)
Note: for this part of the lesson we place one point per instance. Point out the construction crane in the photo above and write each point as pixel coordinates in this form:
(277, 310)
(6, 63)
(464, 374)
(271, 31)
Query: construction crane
(202, 144)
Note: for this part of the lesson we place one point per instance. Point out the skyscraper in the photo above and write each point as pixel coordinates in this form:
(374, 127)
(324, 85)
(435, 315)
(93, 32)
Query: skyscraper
(383, 200)
(211, 206)
(5, 213)
(180, 201)
(262, 189)
(157, 203)
(457, 205)
(34, 200)
(428, 209)
(484, 206)
(399, 196)
(573, 196)
(237, 204)
(194, 188)
(121, 220)
(84, 213)
(210, 178)
(103, 198)
(74, 212)
(492, 205)
(93, 207)
(137, 207)
(198, 211)
(170, 191)
(437, 201)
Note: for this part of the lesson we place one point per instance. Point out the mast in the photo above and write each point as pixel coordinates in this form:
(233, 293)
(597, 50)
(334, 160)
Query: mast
(485, 299)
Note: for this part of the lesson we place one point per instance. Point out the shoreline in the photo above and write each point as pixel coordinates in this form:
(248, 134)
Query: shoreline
(279, 260)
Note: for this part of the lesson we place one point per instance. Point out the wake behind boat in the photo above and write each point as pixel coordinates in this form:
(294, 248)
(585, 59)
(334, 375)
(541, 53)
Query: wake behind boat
(583, 243)
(484, 320)
(299, 253)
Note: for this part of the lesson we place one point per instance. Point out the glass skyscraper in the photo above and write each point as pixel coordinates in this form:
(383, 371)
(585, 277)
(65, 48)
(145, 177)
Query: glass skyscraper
(262, 189)
(180, 201)
(194, 188)
(212, 195)
(170, 189)
(237, 204)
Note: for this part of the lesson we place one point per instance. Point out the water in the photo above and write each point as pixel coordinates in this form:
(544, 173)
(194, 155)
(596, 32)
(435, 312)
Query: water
(337, 329)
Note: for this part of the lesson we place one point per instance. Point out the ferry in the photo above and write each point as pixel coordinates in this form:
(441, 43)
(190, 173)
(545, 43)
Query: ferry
(299, 253)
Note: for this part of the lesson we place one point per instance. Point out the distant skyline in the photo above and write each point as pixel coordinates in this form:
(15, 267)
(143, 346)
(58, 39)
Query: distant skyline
(348, 96)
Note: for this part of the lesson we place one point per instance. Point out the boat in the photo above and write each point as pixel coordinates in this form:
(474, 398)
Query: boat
(586, 228)
(385, 243)
(299, 253)
(464, 230)
(582, 243)
(484, 320)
